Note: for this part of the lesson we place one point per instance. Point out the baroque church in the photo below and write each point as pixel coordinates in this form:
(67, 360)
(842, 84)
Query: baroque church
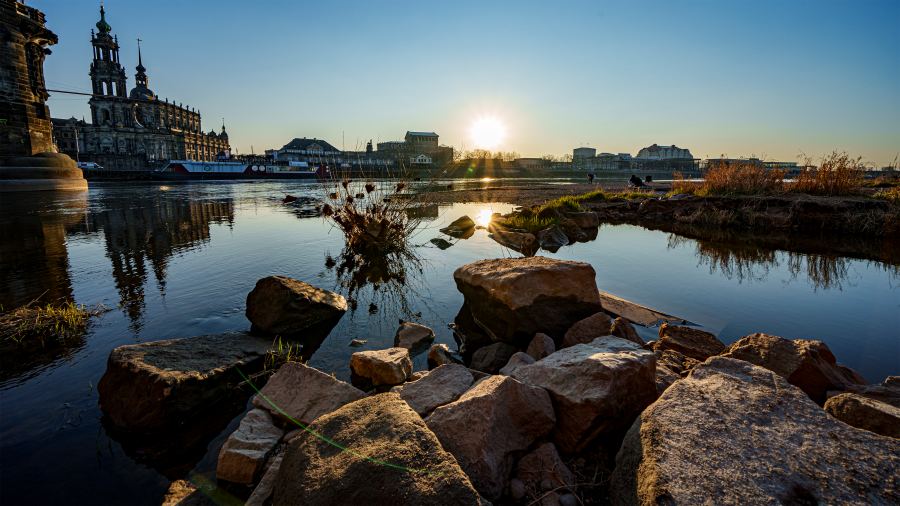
(132, 130)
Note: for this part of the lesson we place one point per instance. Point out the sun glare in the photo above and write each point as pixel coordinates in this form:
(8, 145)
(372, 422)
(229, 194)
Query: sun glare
(484, 217)
(488, 132)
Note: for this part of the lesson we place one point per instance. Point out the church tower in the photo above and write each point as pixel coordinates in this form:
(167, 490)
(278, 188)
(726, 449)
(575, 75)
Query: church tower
(107, 74)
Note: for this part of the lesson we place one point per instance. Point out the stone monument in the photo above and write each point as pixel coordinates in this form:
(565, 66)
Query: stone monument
(28, 157)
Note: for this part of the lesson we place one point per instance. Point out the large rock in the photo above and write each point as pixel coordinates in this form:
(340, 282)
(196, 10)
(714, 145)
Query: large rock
(373, 451)
(154, 386)
(523, 242)
(540, 346)
(806, 363)
(441, 386)
(587, 219)
(245, 451)
(492, 357)
(865, 413)
(735, 433)
(588, 329)
(552, 238)
(461, 228)
(266, 486)
(413, 336)
(489, 424)
(675, 361)
(688, 341)
(279, 305)
(543, 470)
(515, 298)
(380, 367)
(596, 388)
(304, 394)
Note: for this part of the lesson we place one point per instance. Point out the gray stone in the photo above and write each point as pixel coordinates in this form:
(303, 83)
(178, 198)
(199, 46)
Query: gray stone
(488, 425)
(596, 388)
(543, 469)
(279, 305)
(865, 413)
(380, 367)
(587, 219)
(390, 458)
(518, 359)
(588, 329)
(461, 228)
(304, 393)
(735, 433)
(441, 386)
(540, 346)
(266, 486)
(523, 242)
(245, 451)
(153, 386)
(552, 238)
(492, 357)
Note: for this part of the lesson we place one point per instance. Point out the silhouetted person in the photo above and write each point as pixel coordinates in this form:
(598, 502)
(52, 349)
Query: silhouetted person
(636, 181)
(591, 177)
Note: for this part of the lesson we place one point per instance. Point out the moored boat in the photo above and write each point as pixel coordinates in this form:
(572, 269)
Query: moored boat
(200, 170)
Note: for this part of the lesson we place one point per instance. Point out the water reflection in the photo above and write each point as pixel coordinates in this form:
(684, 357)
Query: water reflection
(379, 283)
(745, 261)
(143, 232)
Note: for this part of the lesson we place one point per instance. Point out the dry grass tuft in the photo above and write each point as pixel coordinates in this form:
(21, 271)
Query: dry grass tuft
(739, 179)
(57, 323)
(837, 174)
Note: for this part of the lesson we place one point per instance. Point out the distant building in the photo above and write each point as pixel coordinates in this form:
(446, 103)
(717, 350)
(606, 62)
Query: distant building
(532, 163)
(657, 152)
(319, 152)
(414, 145)
(583, 153)
(131, 131)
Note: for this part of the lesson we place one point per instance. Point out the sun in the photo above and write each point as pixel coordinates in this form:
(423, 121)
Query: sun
(487, 132)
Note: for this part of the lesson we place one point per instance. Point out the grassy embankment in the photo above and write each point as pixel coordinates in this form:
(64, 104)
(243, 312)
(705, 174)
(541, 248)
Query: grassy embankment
(50, 324)
(548, 214)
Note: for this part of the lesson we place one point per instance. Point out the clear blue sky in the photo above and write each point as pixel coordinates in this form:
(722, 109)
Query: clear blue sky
(740, 78)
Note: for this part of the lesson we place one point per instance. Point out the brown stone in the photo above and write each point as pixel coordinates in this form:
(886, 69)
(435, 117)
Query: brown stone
(185, 493)
(413, 336)
(153, 386)
(735, 433)
(543, 470)
(440, 354)
(380, 367)
(386, 456)
(304, 393)
(664, 378)
(279, 305)
(624, 329)
(245, 451)
(588, 329)
(596, 388)
(675, 362)
(515, 298)
(688, 341)
(492, 357)
(540, 346)
(523, 242)
(587, 219)
(266, 486)
(517, 360)
(865, 413)
(441, 386)
(488, 425)
(460, 228)
(806, 363)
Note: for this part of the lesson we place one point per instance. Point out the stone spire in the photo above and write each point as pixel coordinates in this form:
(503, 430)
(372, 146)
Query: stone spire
(102, 25)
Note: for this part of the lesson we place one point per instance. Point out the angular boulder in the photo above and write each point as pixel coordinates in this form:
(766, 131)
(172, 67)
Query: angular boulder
(492, 357)
(675, 362)
(587, 219)
(373, 451)
(540, 346)
(413, 336)
(517, 360)
(153, 386)
(596, 388)
(489, 424)
(588, 329)
(735, 433)
(523, 242)
(279, 305)
(245, 451)
(624, 329)
(805, 363)
(440, 354)
(263, 490)
(515, 298)
(690, 342)
(461, 228)
(552, 238)
(442, 385)
(664, 378)
(380, 367)
(543, 470)
(304, 393)
(865, 413)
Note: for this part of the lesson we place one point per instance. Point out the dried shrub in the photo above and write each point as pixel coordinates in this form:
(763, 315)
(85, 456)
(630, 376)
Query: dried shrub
(837, 174)
(744, 178)
(50, 324)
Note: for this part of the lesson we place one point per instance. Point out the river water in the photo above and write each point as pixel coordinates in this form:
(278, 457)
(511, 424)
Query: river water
(179, 260)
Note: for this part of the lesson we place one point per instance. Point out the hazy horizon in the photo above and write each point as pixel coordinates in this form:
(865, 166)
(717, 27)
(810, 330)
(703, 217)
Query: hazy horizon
(719, 78)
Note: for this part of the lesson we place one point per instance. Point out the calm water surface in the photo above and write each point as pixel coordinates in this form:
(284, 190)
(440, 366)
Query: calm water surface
(177, 261)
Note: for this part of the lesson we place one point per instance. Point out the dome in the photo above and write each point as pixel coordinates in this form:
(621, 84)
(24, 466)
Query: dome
(102, 25)
(141, 93)
(212, 133)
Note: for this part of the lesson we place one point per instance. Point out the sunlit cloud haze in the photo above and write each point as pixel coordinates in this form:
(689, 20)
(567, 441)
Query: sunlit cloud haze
(772, 79)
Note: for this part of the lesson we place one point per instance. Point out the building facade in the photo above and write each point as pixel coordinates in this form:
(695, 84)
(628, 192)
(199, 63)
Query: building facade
(132, 130)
